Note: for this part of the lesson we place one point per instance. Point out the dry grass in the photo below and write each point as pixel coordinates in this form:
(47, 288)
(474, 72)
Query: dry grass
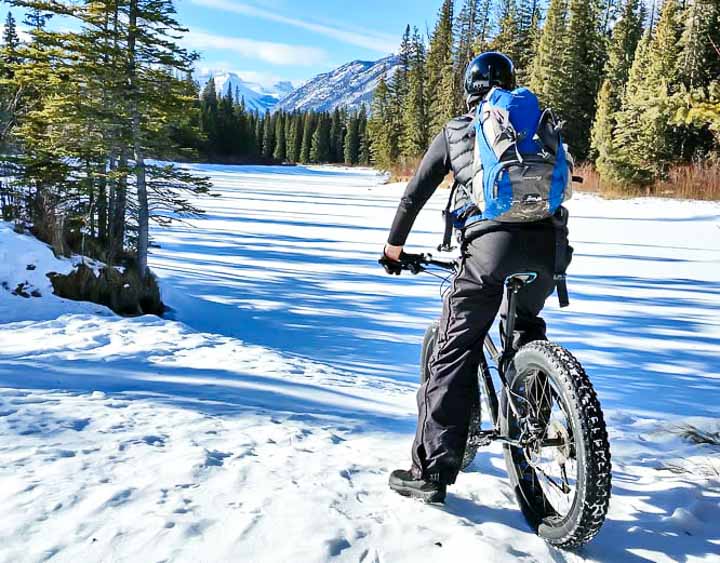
(699, 181)
(404, 170)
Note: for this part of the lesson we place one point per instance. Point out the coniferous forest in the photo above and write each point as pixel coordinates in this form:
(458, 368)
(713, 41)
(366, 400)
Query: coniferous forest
(91, 112)
(637, 84)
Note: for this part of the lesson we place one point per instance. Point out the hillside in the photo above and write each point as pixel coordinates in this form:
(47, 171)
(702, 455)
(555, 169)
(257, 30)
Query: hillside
(350, 85)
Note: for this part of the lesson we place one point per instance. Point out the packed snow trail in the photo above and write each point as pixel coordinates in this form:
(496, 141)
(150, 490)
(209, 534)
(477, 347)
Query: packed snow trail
(260, 421)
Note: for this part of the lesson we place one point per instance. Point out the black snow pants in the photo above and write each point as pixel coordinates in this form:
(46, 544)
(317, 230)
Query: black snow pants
(471, 305)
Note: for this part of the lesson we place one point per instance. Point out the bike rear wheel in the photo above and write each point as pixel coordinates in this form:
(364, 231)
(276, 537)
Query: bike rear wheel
(428, 349)
(562, 477)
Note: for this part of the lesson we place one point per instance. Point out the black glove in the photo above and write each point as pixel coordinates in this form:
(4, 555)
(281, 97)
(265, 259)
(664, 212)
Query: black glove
(407, 261)
(392, 267)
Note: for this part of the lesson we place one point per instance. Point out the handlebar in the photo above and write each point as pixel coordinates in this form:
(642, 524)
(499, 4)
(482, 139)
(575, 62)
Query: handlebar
(416, 263)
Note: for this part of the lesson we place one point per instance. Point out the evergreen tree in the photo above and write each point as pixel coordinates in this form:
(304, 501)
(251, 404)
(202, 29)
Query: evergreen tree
(209, 120)
(280, 140)
(299, 124)
(320, 146)
(644, 134)
(364, 150)
(699, 61)
(381, 127)
(441, 83)
(547, 78)
(36, 18)
(625, 37)
(414, 139)
(337, 136)
(507, 40)
(11, 42)
(471, 29)
(268, 142)
(529, 17)
(307, 137)
(580, 75)
(259, 133)
(352, 141)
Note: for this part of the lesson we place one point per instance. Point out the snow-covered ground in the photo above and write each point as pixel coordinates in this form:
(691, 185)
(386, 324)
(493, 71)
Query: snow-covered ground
(260, 421)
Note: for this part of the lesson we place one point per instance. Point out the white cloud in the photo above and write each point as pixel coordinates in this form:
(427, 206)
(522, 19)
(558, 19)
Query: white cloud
(380, 42)
(274, 53)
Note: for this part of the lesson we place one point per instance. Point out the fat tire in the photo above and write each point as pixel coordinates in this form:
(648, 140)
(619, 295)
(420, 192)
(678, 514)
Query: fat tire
(594, 484)
(428, 347)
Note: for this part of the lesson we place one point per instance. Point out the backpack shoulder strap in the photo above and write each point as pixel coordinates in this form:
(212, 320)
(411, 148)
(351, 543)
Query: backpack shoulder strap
(446, 245)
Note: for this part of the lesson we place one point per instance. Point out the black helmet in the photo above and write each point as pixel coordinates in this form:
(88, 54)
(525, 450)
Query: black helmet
(486, 71)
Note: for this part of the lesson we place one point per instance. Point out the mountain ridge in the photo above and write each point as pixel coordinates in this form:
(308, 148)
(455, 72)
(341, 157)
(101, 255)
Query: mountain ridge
(350, 85)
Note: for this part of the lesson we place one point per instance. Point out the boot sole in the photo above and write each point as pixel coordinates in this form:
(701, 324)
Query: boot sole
(429, 497)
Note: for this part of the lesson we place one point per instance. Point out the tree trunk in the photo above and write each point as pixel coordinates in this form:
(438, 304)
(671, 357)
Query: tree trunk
(102, 205)
(141, 188)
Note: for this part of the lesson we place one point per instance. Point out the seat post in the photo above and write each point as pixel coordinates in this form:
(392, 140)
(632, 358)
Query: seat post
(513, 287)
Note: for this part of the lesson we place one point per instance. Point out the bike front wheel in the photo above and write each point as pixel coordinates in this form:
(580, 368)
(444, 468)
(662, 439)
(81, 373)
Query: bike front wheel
(562, 473)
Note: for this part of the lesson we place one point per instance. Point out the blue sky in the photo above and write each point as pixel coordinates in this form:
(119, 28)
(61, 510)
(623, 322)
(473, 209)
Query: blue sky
(271, 40)
(267, 41)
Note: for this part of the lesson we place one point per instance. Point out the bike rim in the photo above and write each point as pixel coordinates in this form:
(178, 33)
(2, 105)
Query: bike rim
(551, 472)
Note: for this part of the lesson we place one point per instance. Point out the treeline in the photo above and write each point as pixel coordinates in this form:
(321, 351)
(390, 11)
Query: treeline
(638, 88)
(228, 132)
(86, 111)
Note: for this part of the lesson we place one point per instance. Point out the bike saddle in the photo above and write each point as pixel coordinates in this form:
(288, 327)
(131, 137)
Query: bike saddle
(521, 279)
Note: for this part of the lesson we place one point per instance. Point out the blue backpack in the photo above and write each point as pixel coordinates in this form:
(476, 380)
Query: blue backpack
(522, 172)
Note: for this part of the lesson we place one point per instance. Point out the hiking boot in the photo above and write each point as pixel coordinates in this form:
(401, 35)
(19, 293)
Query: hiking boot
(405, 483)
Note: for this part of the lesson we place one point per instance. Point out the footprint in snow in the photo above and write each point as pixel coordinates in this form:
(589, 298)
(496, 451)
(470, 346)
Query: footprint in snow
(214, 458)
(337, 546)
(119, 498)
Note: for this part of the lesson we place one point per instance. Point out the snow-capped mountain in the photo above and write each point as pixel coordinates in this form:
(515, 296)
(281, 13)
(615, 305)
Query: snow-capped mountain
(257, 97)
(350, 85)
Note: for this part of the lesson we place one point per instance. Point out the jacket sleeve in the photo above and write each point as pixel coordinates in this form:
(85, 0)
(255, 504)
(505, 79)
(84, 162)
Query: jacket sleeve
(434, 167)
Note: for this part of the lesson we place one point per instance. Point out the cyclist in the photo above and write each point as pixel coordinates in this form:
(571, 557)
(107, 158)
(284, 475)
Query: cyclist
(490, 252)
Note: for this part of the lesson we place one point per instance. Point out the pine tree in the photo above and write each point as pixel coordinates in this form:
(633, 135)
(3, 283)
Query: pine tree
(352, 141)
(11, 41)
(583, 47)
(399, 83)
(36, 18)
(625, 37)
(644, 134)
(471, 30)
(209, 116)
(414, 139)
(547, 78)
(507, 40)
(382, 129)
(364, 150)
(268, 142)
(103, 99)
(307, 137)
(298, 137)
(337, 136)
(320, 147)
(529, 18)
(441, 83)
(259, 133)
(279, 153)
(699, 61)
